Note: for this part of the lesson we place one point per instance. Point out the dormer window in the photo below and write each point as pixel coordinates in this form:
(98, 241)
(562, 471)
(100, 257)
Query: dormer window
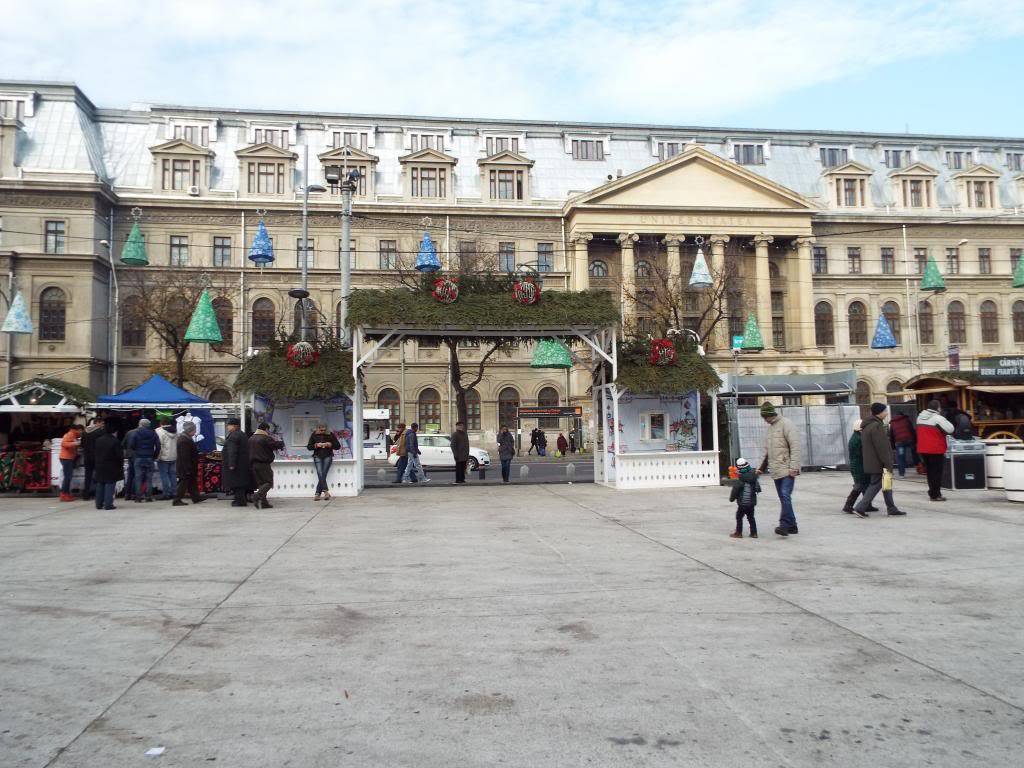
(959, 159)
(587, 149)
(506, 177)
(833, 157)
(265, 170)
(976, 187)
(193, 134)
(428, 175)
(748, 154)
(17, 105)
(897, 158)
(849, 183)
(496, 144)
(850, 192)
(421, 140)
(351, 158)
(1015, 161)
(280, 134)
(355, 139)
(668, 149)
(181, 166)
(914, 186)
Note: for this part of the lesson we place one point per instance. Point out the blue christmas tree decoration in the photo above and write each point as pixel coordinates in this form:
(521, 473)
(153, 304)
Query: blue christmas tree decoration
(700, 277)
(262, 251)
(426, 259)
(884, 338)
(18, 319)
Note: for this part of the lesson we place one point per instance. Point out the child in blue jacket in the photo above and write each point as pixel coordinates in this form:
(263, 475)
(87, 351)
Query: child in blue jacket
(744, 493)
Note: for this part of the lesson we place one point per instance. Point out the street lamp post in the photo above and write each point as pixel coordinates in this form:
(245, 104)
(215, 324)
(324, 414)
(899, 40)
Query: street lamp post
(347, 179)
(303, 294)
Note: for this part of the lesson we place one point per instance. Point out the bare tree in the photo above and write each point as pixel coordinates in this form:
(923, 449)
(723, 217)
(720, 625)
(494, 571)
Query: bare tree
(164, 300)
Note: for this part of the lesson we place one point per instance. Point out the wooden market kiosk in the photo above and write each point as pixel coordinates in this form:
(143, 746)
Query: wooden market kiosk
(992, 395)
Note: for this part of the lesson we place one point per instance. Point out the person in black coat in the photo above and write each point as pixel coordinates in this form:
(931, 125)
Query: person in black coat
(460, 451)
(187, 466)
(235, 462)
(108, 468)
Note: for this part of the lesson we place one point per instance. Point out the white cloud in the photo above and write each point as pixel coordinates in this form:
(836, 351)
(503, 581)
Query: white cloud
(679, 61)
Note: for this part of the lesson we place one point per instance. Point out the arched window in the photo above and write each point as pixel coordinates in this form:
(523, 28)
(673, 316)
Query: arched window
(957, 322)
(133, 322)
(225, 322)
(52, 314)
(429, 408)
(891, 389)
(926, 322)
(989, 323)
(891, 310)
(1018, 322)
(824, 325)
(311, 317)
(473, 410)
(598, 268)
(773, 271)
(508, 408)
(220, 396)
(389, 398)
(643, 269)
(548, 396)
(263, 322)
(778, 299)
(862, 395)
(857, 319)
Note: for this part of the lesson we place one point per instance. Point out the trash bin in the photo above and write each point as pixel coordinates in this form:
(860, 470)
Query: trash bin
(964, 468)
(994, 453)
(1013, 472)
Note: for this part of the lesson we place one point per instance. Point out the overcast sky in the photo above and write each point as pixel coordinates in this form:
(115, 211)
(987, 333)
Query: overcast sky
(953, 67)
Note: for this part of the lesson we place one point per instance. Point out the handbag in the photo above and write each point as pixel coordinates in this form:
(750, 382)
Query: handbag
(886, 480)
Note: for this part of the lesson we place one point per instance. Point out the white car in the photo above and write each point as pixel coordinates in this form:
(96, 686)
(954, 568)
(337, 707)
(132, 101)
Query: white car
(436, 451)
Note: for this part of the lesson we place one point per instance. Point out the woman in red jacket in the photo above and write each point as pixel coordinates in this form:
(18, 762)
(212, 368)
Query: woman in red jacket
(932, 429)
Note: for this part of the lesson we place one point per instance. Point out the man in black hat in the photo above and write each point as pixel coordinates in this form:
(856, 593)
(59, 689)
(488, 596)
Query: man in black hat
(877, 451)
(235, 472)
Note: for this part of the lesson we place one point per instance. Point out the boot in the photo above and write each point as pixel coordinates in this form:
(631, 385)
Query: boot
(66, 497)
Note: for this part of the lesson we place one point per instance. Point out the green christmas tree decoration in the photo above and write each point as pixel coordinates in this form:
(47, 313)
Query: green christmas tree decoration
(551, 353)
(932, 280)
(1018, 274)
(203, 327)
(134, 252)
(752, 340)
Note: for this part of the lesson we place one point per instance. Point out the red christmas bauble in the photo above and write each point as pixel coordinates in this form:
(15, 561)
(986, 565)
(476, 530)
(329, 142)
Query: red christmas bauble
(446, 290)
(663, 352)
(302, 355)
(526, 291)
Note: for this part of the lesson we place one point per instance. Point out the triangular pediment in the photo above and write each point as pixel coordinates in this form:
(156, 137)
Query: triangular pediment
(982, 170)
(266, 149)
(852, 168)
(341, 154)
(915, 169)
(428, 156)
(180, 147)
(696, 178)
(505, 157)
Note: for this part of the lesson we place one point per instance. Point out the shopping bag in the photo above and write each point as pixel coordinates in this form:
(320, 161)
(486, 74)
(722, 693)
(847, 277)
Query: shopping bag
(887, 480)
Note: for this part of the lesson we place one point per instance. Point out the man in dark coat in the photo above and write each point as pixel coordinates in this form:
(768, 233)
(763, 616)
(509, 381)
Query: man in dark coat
(261, 459)
(187, 466)
(460, 450)
(108, 468)
(89, 437)
(235, 472)
(876, 450)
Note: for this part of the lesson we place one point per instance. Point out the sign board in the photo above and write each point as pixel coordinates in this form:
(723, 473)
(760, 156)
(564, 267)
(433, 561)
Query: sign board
(737, 342)
(376, 414)
(1001, 367)
(550, 411)
(954, 358)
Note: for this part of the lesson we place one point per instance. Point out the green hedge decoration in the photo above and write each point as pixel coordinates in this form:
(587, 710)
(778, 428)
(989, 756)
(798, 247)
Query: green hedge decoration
(270, 374)
(690, 372)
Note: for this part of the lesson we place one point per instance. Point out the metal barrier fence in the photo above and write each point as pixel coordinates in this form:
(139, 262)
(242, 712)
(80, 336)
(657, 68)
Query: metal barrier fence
(824, 432)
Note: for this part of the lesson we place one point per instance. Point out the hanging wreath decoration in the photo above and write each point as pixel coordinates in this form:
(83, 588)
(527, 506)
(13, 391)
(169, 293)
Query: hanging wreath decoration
(526, 291)
(446, 290)
(663, 352)
(302, 354)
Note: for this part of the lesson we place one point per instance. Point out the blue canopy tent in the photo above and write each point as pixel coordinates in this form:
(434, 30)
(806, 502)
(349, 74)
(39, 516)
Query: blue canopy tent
(158, 393)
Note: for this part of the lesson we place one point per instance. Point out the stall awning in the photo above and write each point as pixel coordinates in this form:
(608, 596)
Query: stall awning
(156, 390)
(1002, 389)
(923, 391)
(834, 383)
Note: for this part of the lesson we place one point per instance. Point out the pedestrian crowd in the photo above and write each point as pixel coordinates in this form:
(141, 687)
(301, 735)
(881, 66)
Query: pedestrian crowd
(878, 448)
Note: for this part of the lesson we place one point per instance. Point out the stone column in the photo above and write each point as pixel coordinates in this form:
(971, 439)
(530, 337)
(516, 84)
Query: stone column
(763, 287)
(804, 287)
(720, 337)
(675, 280)
(627, 275)
(579, 269)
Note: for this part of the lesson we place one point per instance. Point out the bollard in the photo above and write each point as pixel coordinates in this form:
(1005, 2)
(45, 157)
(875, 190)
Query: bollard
(570, 471)
(481, 472)
(382, 474)
(524, 472)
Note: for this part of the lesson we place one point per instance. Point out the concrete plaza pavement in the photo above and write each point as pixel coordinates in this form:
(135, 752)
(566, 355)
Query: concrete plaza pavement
(514, 626)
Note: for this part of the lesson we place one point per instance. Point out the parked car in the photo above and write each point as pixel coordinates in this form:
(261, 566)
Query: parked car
(436, 451)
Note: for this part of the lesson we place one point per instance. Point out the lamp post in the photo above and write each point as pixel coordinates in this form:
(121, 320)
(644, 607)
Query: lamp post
(303, 294)
(347, 179)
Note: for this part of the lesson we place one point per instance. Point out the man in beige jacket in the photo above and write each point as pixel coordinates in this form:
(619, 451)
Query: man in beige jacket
(782, 461)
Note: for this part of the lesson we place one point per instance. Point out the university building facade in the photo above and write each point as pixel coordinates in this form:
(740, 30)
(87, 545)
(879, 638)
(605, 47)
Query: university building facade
(822, 228)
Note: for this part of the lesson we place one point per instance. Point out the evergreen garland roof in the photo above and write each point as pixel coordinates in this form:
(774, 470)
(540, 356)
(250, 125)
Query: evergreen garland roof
(75, 392)
(269, 373)
(480, 308)
(690, 371)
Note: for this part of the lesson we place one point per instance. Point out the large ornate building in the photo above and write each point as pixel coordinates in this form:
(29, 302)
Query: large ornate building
(813, 220)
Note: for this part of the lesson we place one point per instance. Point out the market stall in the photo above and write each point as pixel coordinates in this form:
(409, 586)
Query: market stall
(34, 415)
